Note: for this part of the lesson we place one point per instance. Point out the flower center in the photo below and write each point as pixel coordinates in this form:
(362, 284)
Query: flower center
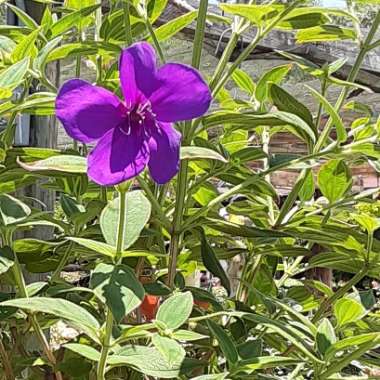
(135, 118)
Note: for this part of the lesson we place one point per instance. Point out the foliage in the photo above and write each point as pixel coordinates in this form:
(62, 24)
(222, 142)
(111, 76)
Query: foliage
(279, 322)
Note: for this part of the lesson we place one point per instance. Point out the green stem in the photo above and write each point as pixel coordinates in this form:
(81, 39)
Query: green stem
(155, 40)
(183, 171)
(339, 293)
(199, 33)
(127, 20)
(105, 347)
(177, 221)
(57, 272)
(290, 271)
(21, 285)
(98, 24)
(121, 225)
(320, 108)
(155, 203)
(106, 344)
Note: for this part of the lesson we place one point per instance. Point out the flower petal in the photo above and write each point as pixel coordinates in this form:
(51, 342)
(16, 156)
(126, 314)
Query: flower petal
(117, 158)
(87, 112)
(182, 94)
(137, 68)
(164, 146)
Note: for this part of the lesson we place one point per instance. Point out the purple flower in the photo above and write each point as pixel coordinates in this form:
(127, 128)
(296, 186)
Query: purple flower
(138, 131)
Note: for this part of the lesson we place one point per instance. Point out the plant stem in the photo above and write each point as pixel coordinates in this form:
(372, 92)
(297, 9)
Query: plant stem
(155, 40)
(105, 347)
(121, 226)
(199, 33)
(127, 20)
(155, 203)
(339, 293)
(177, 221)
(20, 281)
(98, 24)
(184, 166)
(7, 367)
(106, 344)
(56, 274)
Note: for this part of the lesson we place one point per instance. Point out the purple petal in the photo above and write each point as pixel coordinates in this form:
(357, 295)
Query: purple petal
(87, 112)
(137, 68)
(117, 157)
(164, 146)
(182, 94)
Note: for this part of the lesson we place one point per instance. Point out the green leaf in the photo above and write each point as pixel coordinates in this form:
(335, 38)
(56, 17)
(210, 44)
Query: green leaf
(198, 152)
(60, 308)
(79, 49)
(97, 246)
(303, 19)
(12, 76)
(12, 210)
(256, 14)
(187, 335)
(150, 362)
(334, 180)
(226, 344)
(350, 342)
(6, 259)
(39, 63)
(250, 121)
(71, 20)
(174, 26)
(248, 154)
(118, 287)
(87, 352)
(25, 48)
(325, 33)
(243, 81)
(339, 126)
(62, 163)
(206, 193)
(347, 310)
(325, 337)
(175, 311)
(263, 362)
(369, 222)
(158, 7)
(288, 103)
(171, 350)
(307, 189)
(137, 214)
(212, 264)
(40, 103)
(23, 17)
(275, 75)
